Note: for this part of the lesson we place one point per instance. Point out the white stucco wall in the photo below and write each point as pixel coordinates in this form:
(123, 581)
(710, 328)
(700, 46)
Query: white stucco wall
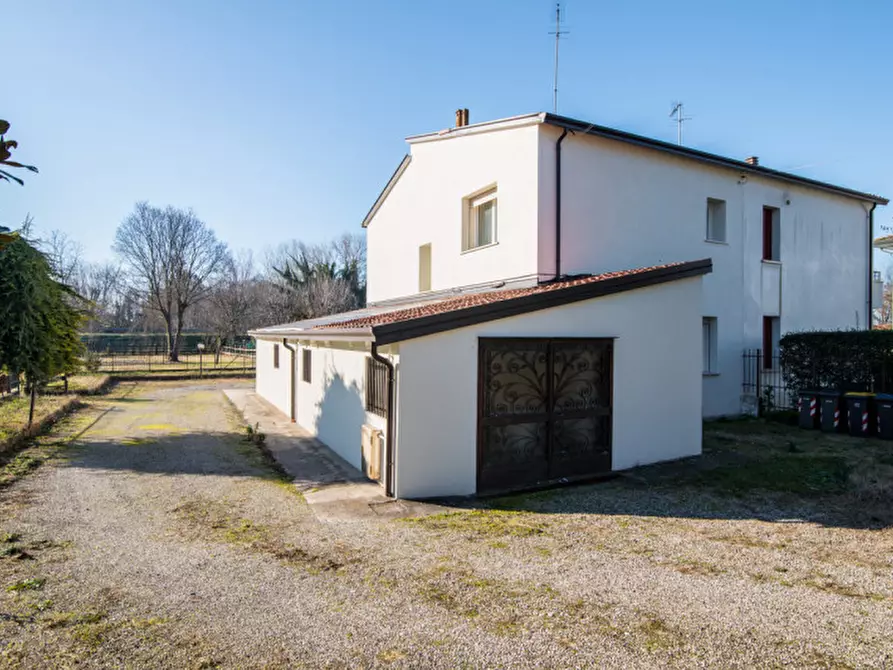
(625, 206)
(657, 384)
(426, 205)
(332, 405)
(270, 383)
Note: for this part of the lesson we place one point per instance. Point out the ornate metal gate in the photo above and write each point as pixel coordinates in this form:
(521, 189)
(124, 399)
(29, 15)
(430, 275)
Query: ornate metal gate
(544, 410)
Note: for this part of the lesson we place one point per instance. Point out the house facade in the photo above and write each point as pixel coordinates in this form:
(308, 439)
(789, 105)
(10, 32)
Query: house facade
(551, 300)
(568, 197)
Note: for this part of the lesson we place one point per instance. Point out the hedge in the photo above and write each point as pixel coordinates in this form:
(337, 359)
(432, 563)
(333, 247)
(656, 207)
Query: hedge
(854, 360)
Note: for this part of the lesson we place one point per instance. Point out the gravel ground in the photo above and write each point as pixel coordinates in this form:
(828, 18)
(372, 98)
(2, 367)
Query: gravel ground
(158, 538)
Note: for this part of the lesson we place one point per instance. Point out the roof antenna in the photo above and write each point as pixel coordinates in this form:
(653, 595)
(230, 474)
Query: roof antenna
(558, 33)
(680, 119)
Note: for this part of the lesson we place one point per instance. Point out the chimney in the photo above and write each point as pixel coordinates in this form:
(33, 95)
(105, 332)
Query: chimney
(461, 117)
(752, 160)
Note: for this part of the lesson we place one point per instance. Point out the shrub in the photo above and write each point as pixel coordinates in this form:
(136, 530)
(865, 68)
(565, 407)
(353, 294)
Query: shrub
(854, 360)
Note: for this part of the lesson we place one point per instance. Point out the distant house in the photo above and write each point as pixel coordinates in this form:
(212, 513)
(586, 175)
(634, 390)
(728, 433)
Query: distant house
(537, 310)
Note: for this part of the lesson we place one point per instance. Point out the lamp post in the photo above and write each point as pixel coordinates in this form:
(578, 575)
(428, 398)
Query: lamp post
(201, 348)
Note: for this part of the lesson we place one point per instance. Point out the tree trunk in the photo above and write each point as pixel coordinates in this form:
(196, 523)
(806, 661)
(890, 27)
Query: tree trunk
(31, 409)
(173, 346)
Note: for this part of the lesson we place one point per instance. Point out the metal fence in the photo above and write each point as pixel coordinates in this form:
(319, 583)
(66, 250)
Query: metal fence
(228, 360)
(764, 381)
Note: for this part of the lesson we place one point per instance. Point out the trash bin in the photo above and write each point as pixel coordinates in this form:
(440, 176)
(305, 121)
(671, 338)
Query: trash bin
(808, 409)
(861, 410)
(833, 411)
(883, 403)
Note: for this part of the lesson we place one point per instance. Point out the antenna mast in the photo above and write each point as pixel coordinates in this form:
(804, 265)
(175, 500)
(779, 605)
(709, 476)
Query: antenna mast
(680, 119)
(558, 33)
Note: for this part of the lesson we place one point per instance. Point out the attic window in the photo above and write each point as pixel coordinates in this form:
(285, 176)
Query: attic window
(479, 220)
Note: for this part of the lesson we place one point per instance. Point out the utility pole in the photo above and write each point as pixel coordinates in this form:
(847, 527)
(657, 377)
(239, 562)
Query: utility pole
(558, 33)
(680, 119)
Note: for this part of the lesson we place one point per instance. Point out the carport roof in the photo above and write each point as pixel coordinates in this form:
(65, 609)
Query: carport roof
(385, 325)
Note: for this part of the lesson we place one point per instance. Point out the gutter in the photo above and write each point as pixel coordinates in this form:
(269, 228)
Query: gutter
(871, 265)
(291, 377)
(323, 334)
(558, 203)
(389, 436)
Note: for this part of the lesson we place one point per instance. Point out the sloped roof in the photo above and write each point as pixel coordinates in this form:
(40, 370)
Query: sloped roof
(400, 323)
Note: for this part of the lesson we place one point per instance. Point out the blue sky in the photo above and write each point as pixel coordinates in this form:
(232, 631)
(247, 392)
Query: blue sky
(278, 120)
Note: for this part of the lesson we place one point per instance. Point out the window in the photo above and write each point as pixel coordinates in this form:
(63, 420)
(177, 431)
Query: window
(771, 234)
(479, 221)
(716, 220)
(376, 387)
(276, 356)
(424, 268)
(771, 336)
(710, 345)
(306, 365)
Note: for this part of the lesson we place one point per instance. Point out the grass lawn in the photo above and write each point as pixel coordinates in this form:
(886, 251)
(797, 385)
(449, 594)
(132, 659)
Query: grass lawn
(14, 413)
(14, 409)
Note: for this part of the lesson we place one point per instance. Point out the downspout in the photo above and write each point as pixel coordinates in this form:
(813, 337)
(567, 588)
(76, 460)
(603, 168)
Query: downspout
(871, 265)
(558, 204)
(291, 376)
(390, 430)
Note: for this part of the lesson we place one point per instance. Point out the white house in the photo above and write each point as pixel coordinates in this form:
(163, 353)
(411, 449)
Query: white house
(500, 348)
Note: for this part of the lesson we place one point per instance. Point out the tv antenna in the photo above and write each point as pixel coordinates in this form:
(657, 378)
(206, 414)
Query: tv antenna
(558, 33)
(680, 119)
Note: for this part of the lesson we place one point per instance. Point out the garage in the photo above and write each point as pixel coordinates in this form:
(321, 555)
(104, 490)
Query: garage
(544, 410)
(503, 389)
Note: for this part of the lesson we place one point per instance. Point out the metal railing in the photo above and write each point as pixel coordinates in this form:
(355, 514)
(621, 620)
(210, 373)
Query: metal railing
(764, 380)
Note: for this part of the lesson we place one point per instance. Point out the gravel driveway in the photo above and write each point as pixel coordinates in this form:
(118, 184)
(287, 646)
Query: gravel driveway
(158, 538)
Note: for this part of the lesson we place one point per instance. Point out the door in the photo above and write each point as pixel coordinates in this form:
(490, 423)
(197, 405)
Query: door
(544, 410)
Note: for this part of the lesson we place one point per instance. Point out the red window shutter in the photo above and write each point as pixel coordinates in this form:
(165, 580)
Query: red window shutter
(767, 234)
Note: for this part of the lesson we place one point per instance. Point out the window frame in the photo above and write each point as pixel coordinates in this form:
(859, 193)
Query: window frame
(709, 233)
(771, 234)
(275, 356)
(376, 391)
(710, 339)
(307, 365)
(470, 219)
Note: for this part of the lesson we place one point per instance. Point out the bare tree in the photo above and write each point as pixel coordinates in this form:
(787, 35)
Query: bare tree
(100, 284)
(65, 256)
(174, 258)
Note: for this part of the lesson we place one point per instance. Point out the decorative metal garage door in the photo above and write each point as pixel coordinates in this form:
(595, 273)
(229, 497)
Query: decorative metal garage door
(544, 410)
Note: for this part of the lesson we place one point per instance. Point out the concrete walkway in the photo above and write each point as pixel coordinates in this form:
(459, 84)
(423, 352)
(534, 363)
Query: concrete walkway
(334, 489)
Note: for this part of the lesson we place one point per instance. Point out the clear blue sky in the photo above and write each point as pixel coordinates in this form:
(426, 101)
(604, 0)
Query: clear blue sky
(277, 120)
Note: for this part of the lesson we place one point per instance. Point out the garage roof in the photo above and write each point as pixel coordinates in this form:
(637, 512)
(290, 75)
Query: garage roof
(385, 325)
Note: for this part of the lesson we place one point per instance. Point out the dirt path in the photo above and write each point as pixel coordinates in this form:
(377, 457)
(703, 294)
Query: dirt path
(160, 539)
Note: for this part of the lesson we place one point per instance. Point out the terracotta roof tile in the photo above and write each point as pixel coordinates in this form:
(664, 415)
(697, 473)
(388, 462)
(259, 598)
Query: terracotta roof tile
(478, 299)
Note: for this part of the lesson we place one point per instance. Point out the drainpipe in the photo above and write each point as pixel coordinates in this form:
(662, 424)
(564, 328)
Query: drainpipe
(389, 436)
(871, 264)
(558, 204)
(291, 375)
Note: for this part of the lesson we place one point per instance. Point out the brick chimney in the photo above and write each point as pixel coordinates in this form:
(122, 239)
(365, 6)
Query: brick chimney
(752, 160)
(461, 117)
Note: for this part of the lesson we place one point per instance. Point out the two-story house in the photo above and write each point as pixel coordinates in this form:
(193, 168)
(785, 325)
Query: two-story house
(536, 308)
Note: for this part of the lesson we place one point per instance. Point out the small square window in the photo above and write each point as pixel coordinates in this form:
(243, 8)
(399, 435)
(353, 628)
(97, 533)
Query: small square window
(276, 356)
(479, 221)
(709, 351)
(716, 220)
(306, 365)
